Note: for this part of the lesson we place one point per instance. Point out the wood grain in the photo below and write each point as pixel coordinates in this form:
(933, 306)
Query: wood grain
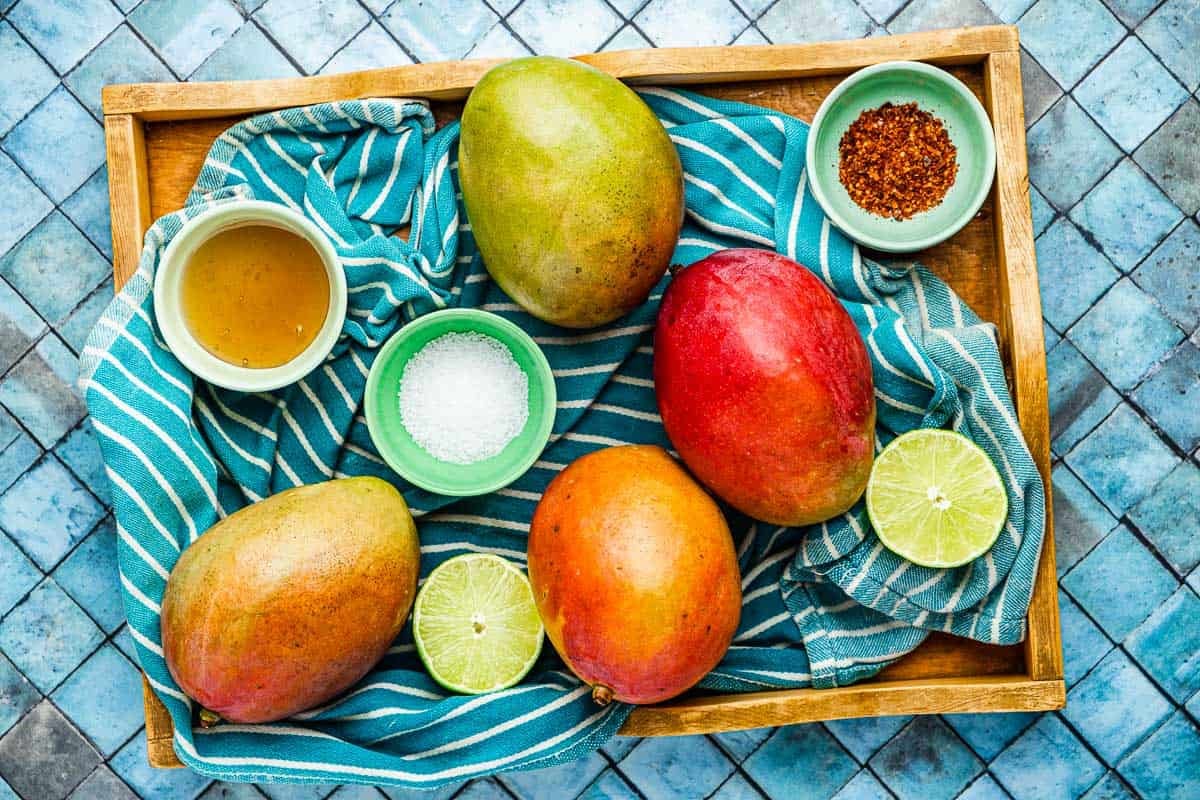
(131, 212)
(946, 656)
(128, 192)
(990, 263)
(1021, 300)
(453, 80)
(922, 696)
(160, 731)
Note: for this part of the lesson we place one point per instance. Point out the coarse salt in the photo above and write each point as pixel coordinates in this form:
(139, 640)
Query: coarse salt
(463, 397)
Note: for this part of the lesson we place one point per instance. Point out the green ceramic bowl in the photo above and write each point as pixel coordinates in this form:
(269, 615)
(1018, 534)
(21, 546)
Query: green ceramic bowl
(941, 94)
(406, 457)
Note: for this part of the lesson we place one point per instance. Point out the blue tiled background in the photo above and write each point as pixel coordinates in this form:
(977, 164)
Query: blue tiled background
(1114, 125)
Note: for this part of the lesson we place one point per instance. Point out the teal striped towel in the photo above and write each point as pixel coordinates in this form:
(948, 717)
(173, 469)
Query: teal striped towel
(824, 605)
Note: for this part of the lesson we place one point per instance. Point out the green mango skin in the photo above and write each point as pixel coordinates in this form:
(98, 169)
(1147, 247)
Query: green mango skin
(287, 603)
(573, 189)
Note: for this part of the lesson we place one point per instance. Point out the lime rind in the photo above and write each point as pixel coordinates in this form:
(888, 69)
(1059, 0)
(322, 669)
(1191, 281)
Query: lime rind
(936, 499)
(476, 625)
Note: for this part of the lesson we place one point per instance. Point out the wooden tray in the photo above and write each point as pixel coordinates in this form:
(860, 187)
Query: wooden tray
(158, 135)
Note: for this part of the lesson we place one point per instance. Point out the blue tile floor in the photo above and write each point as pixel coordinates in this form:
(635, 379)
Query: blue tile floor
(1113, 117)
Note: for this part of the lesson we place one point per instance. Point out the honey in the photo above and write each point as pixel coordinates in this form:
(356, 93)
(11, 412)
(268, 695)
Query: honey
(255, 295)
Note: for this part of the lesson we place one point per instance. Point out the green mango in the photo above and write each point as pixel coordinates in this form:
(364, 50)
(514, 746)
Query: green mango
(573, 189)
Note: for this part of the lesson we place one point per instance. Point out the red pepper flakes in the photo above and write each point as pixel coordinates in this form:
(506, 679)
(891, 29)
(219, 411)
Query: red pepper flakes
(897, 161)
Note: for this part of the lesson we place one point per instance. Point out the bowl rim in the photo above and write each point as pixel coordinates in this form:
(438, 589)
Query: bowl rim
(184, 345)
(491, 325)
(969, 208)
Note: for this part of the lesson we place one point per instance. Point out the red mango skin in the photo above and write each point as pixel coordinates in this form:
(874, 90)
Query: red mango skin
(287, 603)
(764, 386)
(634, 574)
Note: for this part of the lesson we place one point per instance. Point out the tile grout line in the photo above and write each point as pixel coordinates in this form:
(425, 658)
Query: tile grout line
(1115, 645)
(1125, 154)
(109, 639)
(45, 449)
(252, 20)
(1131, 749)
(503, 20)
(374, 19)
(56, 206)
(48, 575)
(1127, 396)
(149, 46)
(348, 42)
(89, 292)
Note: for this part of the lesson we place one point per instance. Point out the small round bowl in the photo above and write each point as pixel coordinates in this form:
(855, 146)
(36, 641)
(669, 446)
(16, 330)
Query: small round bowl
(168, 302)
(941, 94)
(409, 459)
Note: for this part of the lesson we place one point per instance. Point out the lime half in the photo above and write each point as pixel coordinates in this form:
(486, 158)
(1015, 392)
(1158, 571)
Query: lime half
(475, 623)
(935, 498)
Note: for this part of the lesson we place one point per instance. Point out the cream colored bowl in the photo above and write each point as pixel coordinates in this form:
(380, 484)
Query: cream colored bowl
(168, 302)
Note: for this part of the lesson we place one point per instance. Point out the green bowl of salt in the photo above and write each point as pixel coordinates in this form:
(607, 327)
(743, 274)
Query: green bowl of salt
(460, 402)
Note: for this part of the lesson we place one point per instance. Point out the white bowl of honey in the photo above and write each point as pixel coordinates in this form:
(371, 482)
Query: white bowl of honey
(250, 296)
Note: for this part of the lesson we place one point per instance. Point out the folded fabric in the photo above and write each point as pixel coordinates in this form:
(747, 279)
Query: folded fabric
(824, 605)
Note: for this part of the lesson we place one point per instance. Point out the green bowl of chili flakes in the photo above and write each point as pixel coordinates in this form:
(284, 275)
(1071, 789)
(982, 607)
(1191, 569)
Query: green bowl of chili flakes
(901, 156)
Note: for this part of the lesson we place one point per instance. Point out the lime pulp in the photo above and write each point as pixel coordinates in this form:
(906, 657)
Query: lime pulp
(476, 625)
(935, 498)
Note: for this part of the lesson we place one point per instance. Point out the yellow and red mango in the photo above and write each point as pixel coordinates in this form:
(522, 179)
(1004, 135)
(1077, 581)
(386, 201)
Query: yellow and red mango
(765, 387)
(634, 574)
(289, 602)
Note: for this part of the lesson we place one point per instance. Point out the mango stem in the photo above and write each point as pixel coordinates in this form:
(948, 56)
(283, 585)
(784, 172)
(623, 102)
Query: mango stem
(601, 694)
(208, 718)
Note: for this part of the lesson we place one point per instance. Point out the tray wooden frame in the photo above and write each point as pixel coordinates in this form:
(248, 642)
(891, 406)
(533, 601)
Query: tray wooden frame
(157, 134)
